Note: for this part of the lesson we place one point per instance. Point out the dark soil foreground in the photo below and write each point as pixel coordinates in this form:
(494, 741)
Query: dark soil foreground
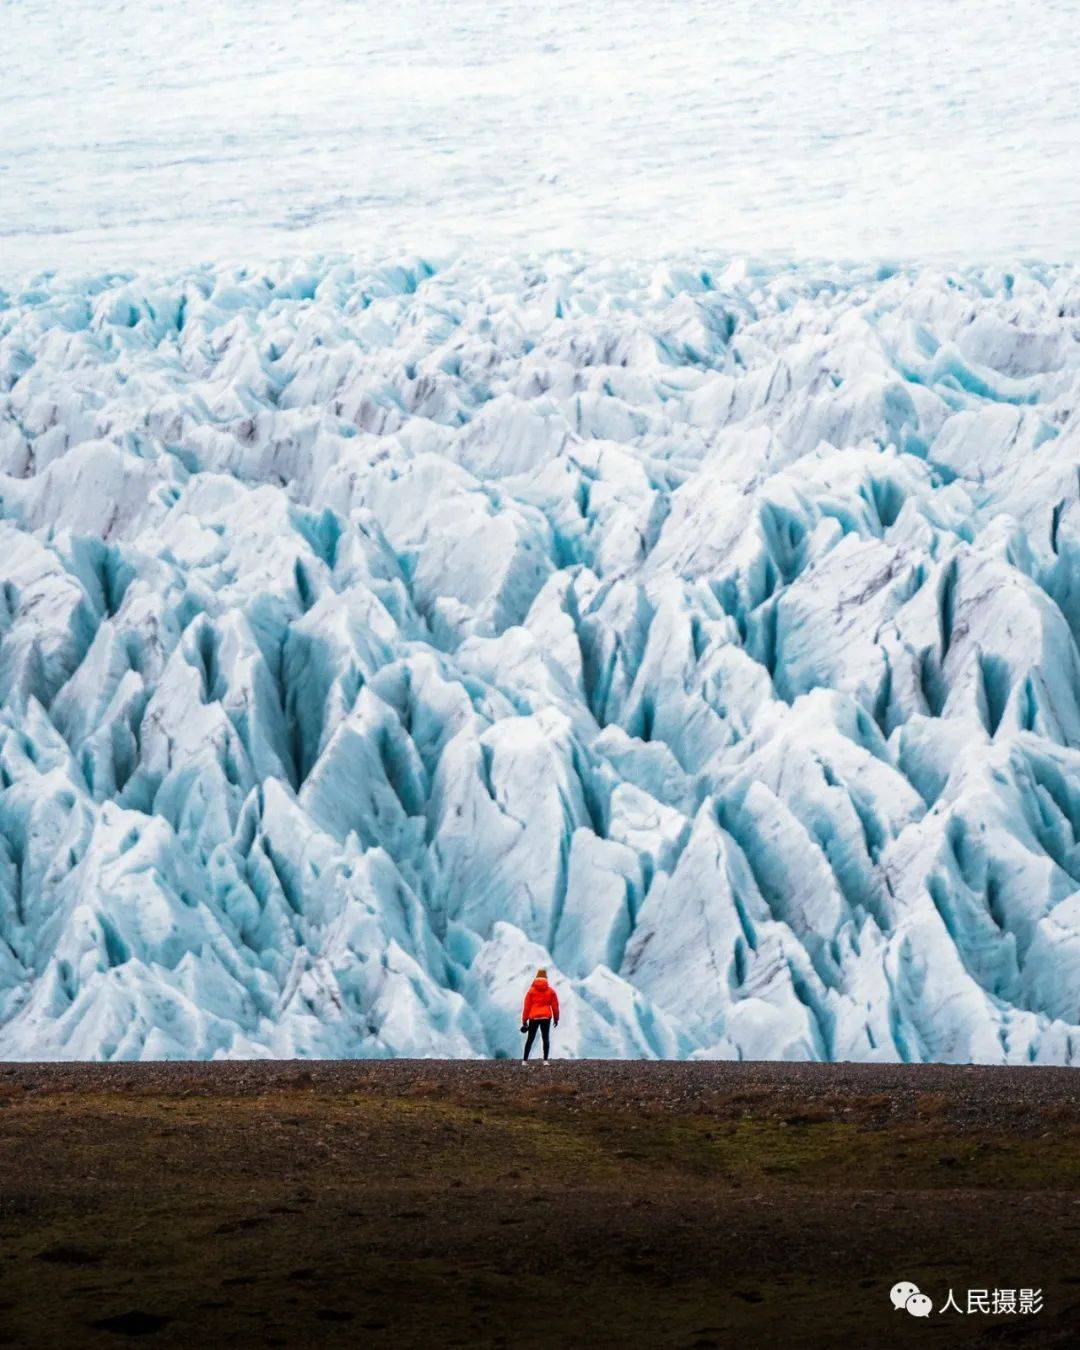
(582, 1204)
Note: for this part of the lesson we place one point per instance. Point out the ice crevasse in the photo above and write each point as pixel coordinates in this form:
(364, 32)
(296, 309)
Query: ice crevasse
(371, 635)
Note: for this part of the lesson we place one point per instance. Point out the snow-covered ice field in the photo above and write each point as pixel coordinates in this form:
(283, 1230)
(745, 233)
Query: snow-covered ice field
(371, 637)
(528, 578)
(180, 131)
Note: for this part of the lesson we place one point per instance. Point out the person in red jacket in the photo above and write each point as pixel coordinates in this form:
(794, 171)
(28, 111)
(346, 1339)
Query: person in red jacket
(541, 1006)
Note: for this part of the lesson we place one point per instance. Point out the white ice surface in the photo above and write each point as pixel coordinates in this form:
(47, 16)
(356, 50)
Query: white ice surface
(184, 130)
(368, 637)
(494, 587)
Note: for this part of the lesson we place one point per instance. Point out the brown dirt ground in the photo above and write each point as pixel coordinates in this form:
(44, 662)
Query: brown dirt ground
(482, 1204)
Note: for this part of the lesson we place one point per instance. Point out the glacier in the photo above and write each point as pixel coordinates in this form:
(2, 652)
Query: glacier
(705, 630)
(263, 128)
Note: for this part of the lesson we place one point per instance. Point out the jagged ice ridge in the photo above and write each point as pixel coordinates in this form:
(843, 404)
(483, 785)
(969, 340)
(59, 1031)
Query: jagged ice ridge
(368, 636)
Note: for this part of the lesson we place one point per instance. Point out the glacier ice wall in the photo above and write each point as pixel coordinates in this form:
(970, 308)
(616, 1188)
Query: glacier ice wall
(369, 636)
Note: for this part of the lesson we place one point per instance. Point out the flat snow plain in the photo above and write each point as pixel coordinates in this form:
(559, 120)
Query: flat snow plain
(179, 131)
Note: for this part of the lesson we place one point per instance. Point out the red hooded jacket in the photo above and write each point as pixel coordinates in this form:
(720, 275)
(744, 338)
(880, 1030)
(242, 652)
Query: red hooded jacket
(540, 1001)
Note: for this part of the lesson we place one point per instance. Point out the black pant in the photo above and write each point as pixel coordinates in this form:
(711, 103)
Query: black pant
(543, 1025)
